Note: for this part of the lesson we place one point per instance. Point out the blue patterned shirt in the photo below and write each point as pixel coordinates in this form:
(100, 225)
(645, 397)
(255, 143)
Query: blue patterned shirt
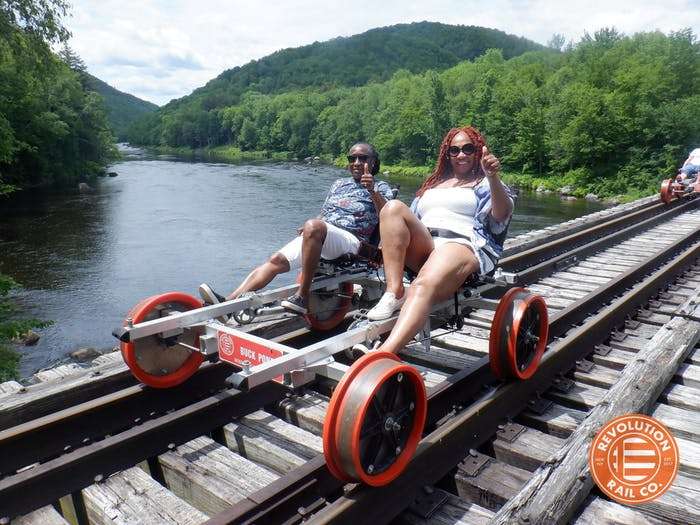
(349, 206)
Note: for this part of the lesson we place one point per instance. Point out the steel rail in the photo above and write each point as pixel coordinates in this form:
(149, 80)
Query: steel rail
(47, 482)
(584, 236)
(310, 485)
(554, 233)
(52, 435)
(545, 266)
(78, 394)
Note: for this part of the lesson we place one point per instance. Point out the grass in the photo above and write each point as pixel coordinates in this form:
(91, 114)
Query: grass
(9, 363)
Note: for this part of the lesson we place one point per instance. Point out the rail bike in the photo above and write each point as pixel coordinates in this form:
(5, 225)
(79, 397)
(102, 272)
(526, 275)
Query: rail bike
(377, 412)
(678, 187)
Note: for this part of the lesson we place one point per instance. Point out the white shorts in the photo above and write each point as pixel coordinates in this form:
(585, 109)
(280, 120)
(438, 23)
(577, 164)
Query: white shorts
(338, 242)
(486, 264)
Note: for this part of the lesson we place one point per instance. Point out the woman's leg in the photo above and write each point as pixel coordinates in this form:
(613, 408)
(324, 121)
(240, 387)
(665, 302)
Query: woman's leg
(442, 274)
(405, 242)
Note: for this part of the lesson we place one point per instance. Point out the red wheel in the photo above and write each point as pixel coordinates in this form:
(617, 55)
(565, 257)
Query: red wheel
(375, 420)
(518, 334)
(667, 191)
(327, 307)
(153, 361)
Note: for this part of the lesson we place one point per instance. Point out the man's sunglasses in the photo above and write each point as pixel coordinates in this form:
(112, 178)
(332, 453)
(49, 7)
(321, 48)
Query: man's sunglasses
(362, 158)
(467, 149)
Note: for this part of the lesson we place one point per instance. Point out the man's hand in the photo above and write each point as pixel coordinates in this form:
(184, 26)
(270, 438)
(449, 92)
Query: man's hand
(367, 179)
(490, 163)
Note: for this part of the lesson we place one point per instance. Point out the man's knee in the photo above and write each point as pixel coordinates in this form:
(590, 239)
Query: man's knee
(392, 208)
(314, 229)
(278, 263)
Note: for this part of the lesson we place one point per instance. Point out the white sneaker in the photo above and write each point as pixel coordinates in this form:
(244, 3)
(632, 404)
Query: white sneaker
(386, 306)
(359, 350)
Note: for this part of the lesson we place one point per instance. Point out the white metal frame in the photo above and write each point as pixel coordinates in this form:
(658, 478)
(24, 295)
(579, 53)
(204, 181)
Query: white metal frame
(262, 360)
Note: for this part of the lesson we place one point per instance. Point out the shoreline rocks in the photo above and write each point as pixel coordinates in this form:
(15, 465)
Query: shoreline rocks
(82, 355)
(566, 190)
(29, 338)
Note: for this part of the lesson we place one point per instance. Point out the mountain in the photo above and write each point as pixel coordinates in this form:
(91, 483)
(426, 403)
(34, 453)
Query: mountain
(122, 109)
(354, 61)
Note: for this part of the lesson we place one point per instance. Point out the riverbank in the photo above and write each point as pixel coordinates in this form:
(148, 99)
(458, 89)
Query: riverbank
(574, 184)
(13, 329)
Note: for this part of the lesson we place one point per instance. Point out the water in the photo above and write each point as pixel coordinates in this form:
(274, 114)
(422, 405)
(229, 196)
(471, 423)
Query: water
(164, 224)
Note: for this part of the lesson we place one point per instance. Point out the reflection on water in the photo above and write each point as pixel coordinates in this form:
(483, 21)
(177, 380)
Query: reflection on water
(162, 225)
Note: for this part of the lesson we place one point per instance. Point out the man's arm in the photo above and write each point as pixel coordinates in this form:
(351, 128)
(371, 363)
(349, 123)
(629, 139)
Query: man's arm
(367, 181)
(378, 200)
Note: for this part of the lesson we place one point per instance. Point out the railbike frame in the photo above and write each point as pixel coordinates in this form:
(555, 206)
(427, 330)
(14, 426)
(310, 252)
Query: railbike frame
(261, 360)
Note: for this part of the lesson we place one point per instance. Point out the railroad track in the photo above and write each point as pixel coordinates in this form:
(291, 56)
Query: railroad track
(592, 280)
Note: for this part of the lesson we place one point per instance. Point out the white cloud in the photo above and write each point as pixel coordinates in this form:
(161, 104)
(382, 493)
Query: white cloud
(161, 50)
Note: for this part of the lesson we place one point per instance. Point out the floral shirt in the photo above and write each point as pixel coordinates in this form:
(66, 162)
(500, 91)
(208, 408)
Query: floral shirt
(489, 233)
(349, 206)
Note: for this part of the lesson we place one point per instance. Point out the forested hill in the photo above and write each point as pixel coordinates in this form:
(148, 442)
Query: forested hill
(611, 114)
(356, 60)
(122, 108)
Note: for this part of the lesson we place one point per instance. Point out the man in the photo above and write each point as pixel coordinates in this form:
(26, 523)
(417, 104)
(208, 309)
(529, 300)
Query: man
(691, 166)
(348, 217)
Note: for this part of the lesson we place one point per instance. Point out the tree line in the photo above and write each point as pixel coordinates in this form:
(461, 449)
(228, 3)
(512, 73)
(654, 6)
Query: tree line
(610, 114)
(53, 129)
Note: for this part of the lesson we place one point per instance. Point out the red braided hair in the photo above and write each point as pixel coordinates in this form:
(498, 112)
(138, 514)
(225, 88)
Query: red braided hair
(443, 167)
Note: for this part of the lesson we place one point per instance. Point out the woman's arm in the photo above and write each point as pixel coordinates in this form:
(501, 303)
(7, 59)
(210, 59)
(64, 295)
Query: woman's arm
(501, 203)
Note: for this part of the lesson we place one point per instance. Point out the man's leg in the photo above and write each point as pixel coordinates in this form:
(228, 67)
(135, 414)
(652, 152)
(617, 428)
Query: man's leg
(262, 275)
(313, 236)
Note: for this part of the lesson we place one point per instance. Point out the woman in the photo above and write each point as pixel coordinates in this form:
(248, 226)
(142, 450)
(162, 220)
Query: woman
(455, 227)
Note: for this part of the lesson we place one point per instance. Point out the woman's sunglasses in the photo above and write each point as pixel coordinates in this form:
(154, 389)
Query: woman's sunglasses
(467, 149)
(353, 158)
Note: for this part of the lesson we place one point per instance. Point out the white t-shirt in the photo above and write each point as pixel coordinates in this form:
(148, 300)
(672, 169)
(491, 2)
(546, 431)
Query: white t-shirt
(451, 209)
(694, 157)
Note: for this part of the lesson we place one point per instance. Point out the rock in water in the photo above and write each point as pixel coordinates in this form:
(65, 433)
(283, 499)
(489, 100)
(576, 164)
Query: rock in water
(83, 187)
(85, 354)
(30, 338)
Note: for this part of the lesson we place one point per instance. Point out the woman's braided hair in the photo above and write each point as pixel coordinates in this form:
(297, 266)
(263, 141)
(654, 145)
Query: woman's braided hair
(443, 167)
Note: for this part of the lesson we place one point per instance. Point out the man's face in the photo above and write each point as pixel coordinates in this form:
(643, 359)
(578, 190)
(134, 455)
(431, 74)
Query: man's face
(358, 156)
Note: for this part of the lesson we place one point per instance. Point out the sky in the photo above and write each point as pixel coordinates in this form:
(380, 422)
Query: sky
(158, 50)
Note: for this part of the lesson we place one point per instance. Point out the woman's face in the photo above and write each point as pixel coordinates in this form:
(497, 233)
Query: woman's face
(357, 157)
(461, 159)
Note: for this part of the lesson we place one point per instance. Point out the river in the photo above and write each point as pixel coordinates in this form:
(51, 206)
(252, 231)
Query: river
(167, 224)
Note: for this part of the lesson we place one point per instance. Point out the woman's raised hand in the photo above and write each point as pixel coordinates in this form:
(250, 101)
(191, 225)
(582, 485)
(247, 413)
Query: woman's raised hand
(489, 163)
